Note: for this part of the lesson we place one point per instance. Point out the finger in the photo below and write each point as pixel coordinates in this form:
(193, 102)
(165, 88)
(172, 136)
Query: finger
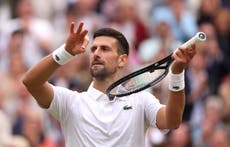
(194, 49)
(188, 57)
(180, 52)
(72, 27)
(85, 42)
(185, 52)
(176, 57)
(84, 33)
(80, 28)
(191, 49)
(193, 46)
(190, 52)
(181, 56)
(177, 54)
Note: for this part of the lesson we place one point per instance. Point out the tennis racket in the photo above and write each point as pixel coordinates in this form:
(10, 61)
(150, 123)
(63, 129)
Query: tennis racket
(148, 76)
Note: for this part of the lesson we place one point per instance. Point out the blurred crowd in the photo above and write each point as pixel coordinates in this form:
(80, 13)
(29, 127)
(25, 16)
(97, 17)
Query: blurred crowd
(31, 29)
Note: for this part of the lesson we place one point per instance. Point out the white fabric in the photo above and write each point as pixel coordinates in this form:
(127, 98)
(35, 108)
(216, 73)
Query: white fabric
(176, 81)
(90, 119)
(61, 56)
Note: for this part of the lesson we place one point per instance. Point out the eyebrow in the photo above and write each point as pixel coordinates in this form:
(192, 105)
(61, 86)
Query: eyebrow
(100, 46)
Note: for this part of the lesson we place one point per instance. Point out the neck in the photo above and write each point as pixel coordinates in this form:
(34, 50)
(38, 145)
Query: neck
(103, 84)
(100, 85)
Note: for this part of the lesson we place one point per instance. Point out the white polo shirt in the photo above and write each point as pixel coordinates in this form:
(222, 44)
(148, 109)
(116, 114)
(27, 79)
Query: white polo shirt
(89, 119)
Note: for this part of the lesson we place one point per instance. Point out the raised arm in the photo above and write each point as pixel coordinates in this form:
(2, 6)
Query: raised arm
(36, 78)
(170, 117)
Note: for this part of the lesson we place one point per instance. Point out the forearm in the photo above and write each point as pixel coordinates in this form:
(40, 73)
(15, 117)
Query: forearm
(170, 117)
(41, 72)
(175, 108)
(36, 78)
(176, 101)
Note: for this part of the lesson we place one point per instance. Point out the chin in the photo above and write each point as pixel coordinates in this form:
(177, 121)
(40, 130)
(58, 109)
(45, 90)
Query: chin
(97, 73)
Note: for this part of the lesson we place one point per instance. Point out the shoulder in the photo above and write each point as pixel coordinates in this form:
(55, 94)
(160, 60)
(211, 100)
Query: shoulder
(64, 92)
(66, 98)
(144, 94)
(143, 97)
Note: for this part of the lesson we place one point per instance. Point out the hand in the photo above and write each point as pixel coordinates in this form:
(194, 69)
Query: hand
(182, 57)
(77, 41)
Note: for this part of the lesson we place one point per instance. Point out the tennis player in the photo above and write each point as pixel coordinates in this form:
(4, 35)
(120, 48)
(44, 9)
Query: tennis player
(90, 118)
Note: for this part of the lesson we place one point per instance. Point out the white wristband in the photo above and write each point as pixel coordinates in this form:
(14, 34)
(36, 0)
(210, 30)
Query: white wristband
(61, 56)
(176, 81)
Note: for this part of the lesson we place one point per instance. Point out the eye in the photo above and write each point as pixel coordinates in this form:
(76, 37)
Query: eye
(104, 48)
(93, 48)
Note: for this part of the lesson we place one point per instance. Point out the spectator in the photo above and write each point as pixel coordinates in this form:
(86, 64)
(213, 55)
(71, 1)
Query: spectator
(207, 10)
(197, 86)
(181, 137)
(211, 120)
(38, 32)
(222, 23)
(32, 129)
(219, 138)
(224, 93)
(180, 19)
(215, 68)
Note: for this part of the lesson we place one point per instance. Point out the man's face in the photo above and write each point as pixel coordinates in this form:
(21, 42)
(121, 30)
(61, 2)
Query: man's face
(104, 58)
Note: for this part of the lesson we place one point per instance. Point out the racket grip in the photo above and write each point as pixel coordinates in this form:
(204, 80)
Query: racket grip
(199, 37)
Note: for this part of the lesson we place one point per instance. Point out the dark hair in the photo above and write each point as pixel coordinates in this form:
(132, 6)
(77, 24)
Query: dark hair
(123, 43)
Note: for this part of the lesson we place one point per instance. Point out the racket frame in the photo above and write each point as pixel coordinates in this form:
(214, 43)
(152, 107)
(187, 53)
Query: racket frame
(199, 37)
(150, 68)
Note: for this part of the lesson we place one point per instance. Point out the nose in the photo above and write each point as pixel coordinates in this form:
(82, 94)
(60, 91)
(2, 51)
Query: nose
(96, 52)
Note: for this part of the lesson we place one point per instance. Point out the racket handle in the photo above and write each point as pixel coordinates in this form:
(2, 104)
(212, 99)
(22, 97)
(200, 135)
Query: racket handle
(199, 37)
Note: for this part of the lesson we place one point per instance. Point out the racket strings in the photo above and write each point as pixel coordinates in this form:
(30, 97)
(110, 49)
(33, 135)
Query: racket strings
(138, 81)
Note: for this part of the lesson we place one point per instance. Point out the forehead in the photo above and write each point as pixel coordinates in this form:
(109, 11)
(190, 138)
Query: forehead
(105, 41)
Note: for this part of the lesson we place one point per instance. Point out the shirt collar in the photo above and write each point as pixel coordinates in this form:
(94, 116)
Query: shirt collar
(94, 93)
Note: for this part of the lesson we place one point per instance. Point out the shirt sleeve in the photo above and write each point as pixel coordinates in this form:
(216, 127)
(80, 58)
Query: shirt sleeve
(61, 103)
(151, 107)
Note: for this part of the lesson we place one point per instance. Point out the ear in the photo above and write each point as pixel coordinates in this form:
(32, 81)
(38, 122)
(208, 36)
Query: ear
(122, 60)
